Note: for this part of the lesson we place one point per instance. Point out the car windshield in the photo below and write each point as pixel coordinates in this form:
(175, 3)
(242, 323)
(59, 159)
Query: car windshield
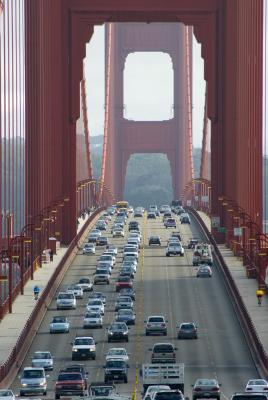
(123, 279)
(129, 249)
(84, 280)
(6, 393)
(117, 352)
(115, 364)
(206, 382)
(163, 348)
(65, 296)
(59, 320)
(257, 382)
(156, 319)
(187, 326)
(95, 302)
(83, 341)
(106, 257)
(125, 312)
(92, 315)
(33, 373)
(125, 299)
(70, 377)
(102, 272)
(101, 390)
(118, 326)
(42, 356)
(168, 396)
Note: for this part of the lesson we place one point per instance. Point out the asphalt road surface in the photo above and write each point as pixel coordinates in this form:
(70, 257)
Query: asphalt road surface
(166, 286)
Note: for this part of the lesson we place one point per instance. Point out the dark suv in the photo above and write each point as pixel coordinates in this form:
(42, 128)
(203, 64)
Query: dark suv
(116, 370)
(133, 225)
(118, 331)
(154, 240)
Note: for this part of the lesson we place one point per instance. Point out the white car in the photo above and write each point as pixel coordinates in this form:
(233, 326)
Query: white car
(107, 258)
(257, 385)
(95, 305)
(89, 248)
(132, 251)
(118, 233)
(112, 248)
(85, 284)
(96, 232)
(42, 359)
(66, 300)
(76, 290)
(111, 253)
(6, 394)
(59, 324)
(92, 320)
(154, 388)
(117, 352)
(135, 235)
(83, 348)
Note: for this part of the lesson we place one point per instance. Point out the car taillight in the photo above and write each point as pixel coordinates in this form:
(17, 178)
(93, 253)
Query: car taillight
(162, 324)
(174, 355)
(266, 388)
(197, 389)
(249, 388)
(215, 389)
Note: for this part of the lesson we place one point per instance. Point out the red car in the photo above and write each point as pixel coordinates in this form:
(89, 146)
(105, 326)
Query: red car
(70, 384)
(123, 282)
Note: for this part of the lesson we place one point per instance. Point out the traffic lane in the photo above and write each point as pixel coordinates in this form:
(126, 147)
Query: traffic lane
(201, 300)
(59, 345)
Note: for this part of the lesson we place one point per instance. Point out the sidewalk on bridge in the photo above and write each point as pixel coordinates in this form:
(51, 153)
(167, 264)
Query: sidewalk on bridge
(12, 324)
(247, 289)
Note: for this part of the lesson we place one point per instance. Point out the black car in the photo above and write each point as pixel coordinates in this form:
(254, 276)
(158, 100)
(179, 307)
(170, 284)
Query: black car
(116, 370)
(133, 225)
(151, 215)
(102, 241)
(154, 240)
(192, 243)
(128, 292)
(118, 331)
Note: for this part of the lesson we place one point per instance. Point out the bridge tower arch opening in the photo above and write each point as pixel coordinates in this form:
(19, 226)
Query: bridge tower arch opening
(148, 180)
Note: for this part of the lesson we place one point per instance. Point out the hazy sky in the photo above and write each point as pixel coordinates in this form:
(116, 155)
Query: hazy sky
(151, 71)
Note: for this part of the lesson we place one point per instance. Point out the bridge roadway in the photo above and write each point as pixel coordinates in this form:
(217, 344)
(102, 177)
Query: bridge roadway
(167, 286)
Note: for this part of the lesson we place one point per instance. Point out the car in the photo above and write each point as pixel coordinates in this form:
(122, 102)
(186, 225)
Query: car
(132, 241)
(123, 302)
(129, 264)
(33, 381)
(133, 225)
(117, 226)
(130, 250)
(127, 271)
(165, 208)
(70, 384)
(80, 368)
(117, 352)
(168, 395)
(96, 232)
(118, 331)
(102, 241)
(174, 248)
(206, 388)
(151, 215)
(138, 214)
(93, 237)
(192, 243)
(102, 265)
(6, 394)
(123, 282)
(107, 259)
(126, 315)
(116, 370)
(249, 396)
(101, 225)
(132, 258)
(154, 240)
(95, 305)
(76, 290)
(156, 324)
(163, 353)
(185, 219)
(170, 223)
(59, 324)
(187, 330)
(128, 292)
(85, 284)
(102, 390)
(166, 215)
(112, 248)
(92, 320)
(154, 388)
(89, 248)
(83, 347)
(137, 232)
(43, 359)
(179, 210)
(66, 301)
(204, 271)
(118, 233)
(101, 276)
(176, 234)
(98, 295)
(257, 385)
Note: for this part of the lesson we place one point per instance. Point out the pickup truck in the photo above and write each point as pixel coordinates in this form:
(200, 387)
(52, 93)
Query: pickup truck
(70, 384)
(163, 374)
(202, 254)
(101, 389)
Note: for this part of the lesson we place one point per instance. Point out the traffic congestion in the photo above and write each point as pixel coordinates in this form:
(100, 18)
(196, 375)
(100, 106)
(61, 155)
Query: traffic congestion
(133, 318)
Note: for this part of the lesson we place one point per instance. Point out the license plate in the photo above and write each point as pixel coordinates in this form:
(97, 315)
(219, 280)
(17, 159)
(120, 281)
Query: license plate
(207, 394)
(116, 376)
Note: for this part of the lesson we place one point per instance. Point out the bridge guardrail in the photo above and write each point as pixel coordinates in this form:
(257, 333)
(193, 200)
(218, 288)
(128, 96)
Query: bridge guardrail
(258, 353)
(31, 326)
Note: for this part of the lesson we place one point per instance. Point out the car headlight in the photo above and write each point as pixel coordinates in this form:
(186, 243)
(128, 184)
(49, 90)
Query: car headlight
(24, 384)
(125, 333)
(75, 349)
(110, 333)
(42, 384)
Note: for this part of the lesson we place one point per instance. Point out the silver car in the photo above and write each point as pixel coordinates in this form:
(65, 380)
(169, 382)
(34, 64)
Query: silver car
(86, 284)
(89, 248)
(43, 359)
(156, 324)
(66, 301)
(59, 324)
(92, 320)
(204, 271)
(76, 290)
(101, 276)
(33, 381)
